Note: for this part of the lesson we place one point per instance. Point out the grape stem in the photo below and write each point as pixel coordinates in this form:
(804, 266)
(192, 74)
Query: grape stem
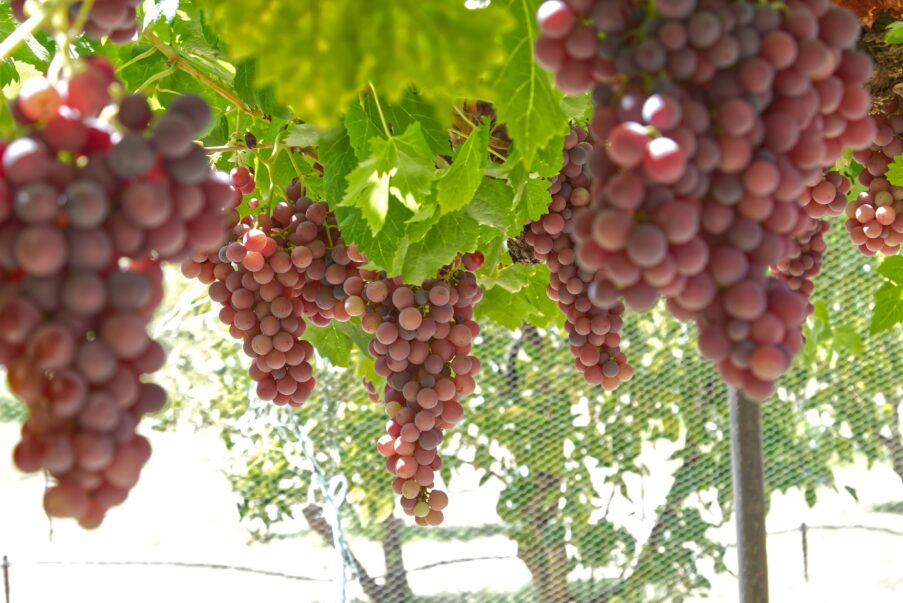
(466, 136)
(82, 17)
(237, 148)
(182, 63)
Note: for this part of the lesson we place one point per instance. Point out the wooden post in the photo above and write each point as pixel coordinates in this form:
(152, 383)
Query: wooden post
(749, 498)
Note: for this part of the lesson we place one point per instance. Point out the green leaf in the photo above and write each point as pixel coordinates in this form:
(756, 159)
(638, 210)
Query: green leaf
(894, 33)
(302, 135)
(578, 108)
(811, 497)
(364, 120)
(320, 55)
(461, 180)
(492, 205)
(336, 340)
(892, 269)
(512, 278)
(525, 100)
(847, 340)
(453, 233)
(363, 124)
(8, 72)
(895, 171)
(400, 168)
(517, 294)
(888, 310)
(337, 157)
(386, 251)
(537, 199)
(852, 492)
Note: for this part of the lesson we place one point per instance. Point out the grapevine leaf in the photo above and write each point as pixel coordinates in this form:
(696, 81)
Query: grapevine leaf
(461, 180)
(492, 204)
(335, 340)
(8, 72)
(262, 98)
(492, 249)
(389, 44)
(518, 293)
(536, 199)
(37, 49)
(399, 168)
(892, 269)
(302, 135)
(364, 120)
(136, 74)
(548, 160)
(578, 108)
(888, 310)
(895, 171)
(387, 251)
(847, 340)
(512, 278)
(337, 157)
(453, 233)
(894, 33)
(368, 188)
(434, 131)
(525, 100)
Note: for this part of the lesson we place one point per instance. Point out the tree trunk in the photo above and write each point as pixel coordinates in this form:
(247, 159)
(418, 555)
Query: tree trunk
(547, 562)
(396, 586)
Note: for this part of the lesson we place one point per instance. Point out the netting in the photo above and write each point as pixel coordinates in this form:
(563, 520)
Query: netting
(559, 491)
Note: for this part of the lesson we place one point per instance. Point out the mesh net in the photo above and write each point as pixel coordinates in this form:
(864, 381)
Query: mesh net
(559, 492)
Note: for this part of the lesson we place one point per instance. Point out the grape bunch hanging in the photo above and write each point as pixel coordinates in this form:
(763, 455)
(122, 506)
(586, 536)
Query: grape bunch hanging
(88, 211)
(275, 271)
(422, 346)
(711, 120)
(593, 331)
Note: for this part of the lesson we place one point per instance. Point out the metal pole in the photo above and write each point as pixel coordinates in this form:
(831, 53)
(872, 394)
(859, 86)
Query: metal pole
(749, 498)
(6, 577)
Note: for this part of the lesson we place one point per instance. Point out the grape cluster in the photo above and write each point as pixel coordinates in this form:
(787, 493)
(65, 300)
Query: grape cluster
(276, 270)
(804, 261)
(886, 144)
(593, 329)
(710, 117)
(115, 19)
(568, 42)
(80, 278)
(827, 197)
(875, 218)
(242, 180)
(422, 345)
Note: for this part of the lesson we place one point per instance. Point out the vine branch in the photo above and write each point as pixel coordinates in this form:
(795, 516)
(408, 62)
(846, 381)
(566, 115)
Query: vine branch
(182, 63)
